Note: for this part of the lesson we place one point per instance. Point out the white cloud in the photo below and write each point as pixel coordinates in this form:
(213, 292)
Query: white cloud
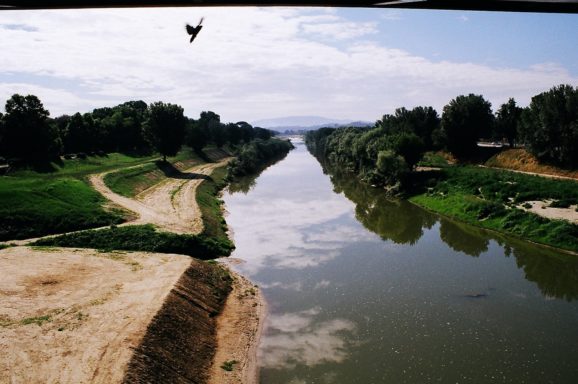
(246, 64)
(298, 338)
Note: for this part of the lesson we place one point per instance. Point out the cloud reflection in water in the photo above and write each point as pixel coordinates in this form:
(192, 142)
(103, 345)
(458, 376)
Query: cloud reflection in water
(299, 339)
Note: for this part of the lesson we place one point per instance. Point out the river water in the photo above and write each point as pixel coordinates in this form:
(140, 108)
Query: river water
(362, 289)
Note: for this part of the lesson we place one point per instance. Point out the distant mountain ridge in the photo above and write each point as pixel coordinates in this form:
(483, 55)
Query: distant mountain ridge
(306, 123)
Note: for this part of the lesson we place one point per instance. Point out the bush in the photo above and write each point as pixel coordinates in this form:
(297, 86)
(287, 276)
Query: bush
(142, 238)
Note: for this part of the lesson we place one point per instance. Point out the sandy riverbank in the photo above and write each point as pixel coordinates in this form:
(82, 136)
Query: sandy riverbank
(239, 329)
(76, 315)
(83, 316)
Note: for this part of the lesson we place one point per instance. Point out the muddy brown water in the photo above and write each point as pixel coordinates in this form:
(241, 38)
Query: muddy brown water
(362, 289)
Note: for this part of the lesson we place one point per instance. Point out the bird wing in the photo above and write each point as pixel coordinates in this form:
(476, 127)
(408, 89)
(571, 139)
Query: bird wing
(201, 21)
(190, 30)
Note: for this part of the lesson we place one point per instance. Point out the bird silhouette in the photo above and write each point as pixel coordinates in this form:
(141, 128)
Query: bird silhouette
(194, 31)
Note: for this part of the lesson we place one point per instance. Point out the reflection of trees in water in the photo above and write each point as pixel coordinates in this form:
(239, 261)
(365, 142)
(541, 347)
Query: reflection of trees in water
(556, 274)
(244, 184)
(398, 221)
(464, 238)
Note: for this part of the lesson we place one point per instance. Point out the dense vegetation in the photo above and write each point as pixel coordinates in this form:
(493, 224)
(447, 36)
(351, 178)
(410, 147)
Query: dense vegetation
(492, 199)
(251, 156)
(141, 238)
(386, 155)
(29, 136)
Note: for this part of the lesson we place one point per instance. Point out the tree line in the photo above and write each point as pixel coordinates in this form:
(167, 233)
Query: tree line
(28, 133)
(387, 152)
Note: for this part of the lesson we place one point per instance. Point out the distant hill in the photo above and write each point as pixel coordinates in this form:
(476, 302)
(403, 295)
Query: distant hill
(306, 123)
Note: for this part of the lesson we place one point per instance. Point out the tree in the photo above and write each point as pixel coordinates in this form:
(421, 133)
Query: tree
(421, 121)
(507, 121)
(465, 119)
(27, 133)
(409, 146)
(195, 137)
(550, 126)
(165, 128)
(211, 126)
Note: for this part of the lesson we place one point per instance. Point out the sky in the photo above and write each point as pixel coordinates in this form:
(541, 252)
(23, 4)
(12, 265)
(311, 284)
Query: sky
(251, 63)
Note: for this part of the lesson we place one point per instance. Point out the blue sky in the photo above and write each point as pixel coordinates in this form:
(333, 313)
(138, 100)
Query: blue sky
(256, 63)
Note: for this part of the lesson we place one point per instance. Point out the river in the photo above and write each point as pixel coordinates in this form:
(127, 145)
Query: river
(362, 289)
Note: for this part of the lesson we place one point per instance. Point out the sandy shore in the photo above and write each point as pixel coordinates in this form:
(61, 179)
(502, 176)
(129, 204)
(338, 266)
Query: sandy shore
(239, 329)
(75, 315)
(79, 315)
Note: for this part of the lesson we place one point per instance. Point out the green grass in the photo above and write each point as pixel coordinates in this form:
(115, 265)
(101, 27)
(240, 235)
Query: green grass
(229, 365)
(79, 168)
(142, 238)
(33, 207)
(131, 181)
(36, 320)
(488, 198)
(211, 206)
(433, 159)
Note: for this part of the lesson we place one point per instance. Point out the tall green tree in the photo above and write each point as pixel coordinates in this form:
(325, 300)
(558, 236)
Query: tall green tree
(165, 128)
(213, 129)
(195, 137)
(465, 120)
(550, 126)
(507, 121)
(421, 121)
(27, 132)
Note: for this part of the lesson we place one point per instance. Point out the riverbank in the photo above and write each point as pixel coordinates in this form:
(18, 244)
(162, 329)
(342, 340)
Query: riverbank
(76, 315)
(142, 349)
(506, 202)
(239, 329)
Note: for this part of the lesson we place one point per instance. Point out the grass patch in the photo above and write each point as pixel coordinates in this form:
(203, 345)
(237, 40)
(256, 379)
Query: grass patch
(142, 238)
(434, 159)
(79, 168)
(130, 182)
(36, 320)
(211, 205)
(33, 207)
(229, 365)
(487, 198)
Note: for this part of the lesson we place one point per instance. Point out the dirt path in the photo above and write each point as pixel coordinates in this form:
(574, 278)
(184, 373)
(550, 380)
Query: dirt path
(170, 204)
(75, 315)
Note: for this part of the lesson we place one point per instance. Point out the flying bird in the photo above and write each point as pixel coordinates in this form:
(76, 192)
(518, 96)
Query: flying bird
(194, 31)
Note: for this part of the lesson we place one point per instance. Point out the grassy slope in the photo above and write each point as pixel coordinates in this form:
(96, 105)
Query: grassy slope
(35, 204)
(486, 198)
(131, 181)
(33, 207)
